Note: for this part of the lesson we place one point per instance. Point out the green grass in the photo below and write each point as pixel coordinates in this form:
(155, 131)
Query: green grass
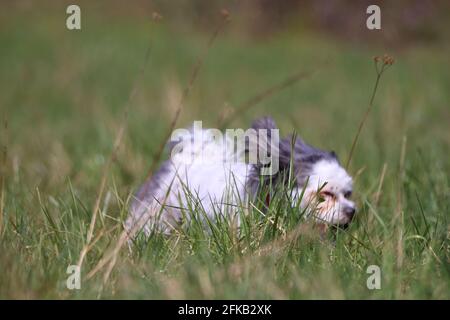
(62, 100)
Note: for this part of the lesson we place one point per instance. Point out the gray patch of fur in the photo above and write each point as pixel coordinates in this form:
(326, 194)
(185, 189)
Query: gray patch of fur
(147, 191)
(292, 151)
(303, 157)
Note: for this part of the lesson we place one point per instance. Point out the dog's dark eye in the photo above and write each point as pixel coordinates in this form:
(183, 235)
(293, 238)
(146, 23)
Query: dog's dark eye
(348, 194)
(327, 194)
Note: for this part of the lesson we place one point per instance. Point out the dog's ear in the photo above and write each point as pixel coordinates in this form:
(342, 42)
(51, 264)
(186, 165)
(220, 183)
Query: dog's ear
(293, 150)
(265, 141)
(334, 155)
(263, 133)
(289, 150)
(264, 123)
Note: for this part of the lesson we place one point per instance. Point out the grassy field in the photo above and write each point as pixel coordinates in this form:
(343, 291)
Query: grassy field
(62, 102)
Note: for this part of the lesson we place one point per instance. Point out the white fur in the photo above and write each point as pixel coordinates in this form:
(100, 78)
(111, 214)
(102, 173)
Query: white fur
(204, 173)
(201, 172)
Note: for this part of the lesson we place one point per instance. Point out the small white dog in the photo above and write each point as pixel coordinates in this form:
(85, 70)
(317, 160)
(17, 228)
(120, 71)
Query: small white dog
(204, 170)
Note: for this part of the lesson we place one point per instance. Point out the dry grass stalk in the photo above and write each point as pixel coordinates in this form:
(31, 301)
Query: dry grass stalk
(111, 159)
(111, 258)
(3, 174)
(380, 185)
(186, 91)
(386, 62)
(223, 121)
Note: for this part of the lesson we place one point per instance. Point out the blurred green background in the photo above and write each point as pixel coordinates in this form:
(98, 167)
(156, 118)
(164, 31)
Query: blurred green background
(63, 94)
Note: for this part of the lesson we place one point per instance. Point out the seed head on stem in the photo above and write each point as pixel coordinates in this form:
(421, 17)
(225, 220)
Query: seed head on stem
(381, 64)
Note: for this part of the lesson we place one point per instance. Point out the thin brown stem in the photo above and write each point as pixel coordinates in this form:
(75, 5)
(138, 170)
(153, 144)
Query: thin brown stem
(111, 159)
(252, 101)
(366, 114)
(193, 77)
(4, 157)
(111, 258)
(380, 185)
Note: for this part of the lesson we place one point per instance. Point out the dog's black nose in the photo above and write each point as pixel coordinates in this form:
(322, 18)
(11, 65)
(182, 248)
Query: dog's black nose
(350, 212)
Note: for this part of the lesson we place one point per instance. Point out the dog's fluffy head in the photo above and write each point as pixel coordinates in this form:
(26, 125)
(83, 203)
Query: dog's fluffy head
(327, 193)
(324, 183)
